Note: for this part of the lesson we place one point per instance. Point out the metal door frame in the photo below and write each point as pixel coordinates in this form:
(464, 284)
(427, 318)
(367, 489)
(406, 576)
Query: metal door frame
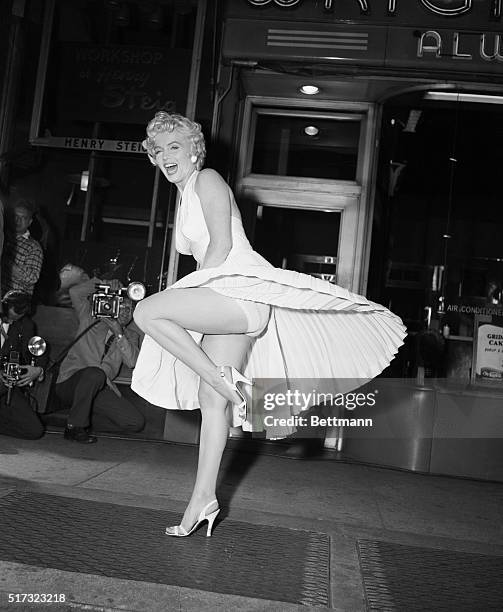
(353, 199)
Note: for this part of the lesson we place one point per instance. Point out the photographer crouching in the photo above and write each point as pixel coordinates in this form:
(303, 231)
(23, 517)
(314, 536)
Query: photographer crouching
(85, 381)
(19, 370)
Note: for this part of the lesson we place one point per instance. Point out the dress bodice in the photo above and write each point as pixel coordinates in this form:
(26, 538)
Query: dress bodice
(192, 236)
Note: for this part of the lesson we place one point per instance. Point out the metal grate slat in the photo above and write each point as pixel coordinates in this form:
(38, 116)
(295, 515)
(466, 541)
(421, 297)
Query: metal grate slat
(128, 542)
(398, 577)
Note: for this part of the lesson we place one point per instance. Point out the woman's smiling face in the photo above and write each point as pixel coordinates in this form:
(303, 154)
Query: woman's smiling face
(172, 153)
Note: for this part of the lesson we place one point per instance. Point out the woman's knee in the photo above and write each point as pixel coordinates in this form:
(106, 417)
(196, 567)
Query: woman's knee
(148, 310)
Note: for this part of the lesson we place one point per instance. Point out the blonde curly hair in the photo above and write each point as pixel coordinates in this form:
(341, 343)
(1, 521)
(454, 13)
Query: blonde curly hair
(168, 122)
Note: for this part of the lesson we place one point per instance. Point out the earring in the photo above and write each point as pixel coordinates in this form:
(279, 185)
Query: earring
(193, 158)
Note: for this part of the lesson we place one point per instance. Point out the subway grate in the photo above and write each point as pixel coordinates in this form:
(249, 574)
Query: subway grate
(398, 577)
(128, 542)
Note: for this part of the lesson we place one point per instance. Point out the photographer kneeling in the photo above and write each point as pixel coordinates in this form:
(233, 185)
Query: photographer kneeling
(17, 416)
(85, 381)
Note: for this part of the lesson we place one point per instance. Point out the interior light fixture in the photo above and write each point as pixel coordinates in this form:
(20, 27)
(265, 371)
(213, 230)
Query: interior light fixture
(84, 180)
(458, 96)
(309, 90)
(155, 19)
(123, 16)
(311, 130)
(414, 116)
(71, 196)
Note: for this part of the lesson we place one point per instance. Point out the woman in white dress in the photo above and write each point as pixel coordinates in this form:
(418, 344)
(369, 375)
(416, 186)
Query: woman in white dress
(238, 312)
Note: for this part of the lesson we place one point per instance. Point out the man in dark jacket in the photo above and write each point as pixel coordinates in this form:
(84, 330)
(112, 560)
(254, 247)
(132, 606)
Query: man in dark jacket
(85, 382)
(17, 416)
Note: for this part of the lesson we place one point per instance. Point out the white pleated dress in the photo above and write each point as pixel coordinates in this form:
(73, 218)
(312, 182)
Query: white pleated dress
(316, 331)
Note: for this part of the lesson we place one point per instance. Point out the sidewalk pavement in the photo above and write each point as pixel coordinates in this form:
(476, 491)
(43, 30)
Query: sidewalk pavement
(343, 500)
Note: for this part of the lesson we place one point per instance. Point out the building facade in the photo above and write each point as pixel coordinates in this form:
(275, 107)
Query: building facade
(362, 139)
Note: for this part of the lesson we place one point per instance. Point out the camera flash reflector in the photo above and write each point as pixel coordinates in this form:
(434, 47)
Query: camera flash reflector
(136, 291)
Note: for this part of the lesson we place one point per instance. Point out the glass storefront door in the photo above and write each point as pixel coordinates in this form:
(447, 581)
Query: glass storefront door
(437, 259)
(303, 173)
(298, 239)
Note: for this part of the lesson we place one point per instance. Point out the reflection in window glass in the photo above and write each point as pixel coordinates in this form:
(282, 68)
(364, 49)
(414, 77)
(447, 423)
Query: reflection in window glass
(437, 253)
(303, 240)
(290, 146)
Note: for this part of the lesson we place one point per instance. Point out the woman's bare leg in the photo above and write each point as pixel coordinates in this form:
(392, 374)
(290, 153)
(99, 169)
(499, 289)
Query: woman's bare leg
(230, 349)
(168, 315)
(165, 317)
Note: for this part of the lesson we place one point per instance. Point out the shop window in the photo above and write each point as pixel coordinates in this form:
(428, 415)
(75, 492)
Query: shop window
(302, 240)
(102, 76)
(306, 146)
(437, 256)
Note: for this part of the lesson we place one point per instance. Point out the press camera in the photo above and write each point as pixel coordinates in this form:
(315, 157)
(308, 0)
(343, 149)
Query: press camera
(10, 364)
(12, 368)
(106, 303)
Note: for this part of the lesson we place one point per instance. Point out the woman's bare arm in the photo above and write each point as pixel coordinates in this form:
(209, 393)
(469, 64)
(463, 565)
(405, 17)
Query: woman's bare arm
(213, 193)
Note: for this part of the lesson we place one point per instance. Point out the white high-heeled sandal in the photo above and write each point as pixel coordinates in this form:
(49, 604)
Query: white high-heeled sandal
(237, 377)
(178, 531)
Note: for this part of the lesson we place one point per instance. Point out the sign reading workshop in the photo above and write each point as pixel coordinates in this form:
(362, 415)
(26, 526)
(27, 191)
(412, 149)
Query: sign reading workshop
(449, 36)
(121, 84)
(116, 84)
